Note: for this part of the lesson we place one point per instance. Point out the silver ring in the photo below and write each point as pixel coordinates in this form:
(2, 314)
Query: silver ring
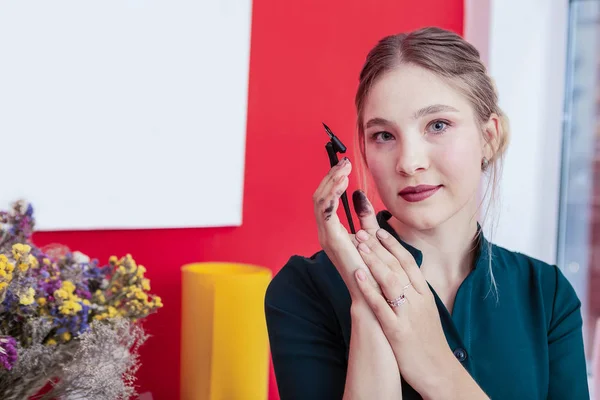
(397, 301)
(400, 299)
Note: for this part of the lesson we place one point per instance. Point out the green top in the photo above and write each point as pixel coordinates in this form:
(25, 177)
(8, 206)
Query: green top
(526, 345)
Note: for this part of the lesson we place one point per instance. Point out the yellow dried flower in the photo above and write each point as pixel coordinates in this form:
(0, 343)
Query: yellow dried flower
(112, 312)
(70, 307)
(20, 249)
(132, 291)
(141, 296)
(68, 286)
(141, 271)
(27, 298)
(33, 262)
(99, 296)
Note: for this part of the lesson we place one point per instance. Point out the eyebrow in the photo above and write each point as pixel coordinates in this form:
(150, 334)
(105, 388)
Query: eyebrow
(433, 109)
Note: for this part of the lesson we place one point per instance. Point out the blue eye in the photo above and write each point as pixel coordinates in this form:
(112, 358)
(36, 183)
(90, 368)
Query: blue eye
(439, 126)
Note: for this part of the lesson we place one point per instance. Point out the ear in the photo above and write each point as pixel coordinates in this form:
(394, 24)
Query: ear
(491, 134)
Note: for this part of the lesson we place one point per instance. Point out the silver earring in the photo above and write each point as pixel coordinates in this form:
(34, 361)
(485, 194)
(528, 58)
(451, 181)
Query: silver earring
(484, 163)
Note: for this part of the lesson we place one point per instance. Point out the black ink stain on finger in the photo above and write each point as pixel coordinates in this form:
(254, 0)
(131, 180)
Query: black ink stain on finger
(329, 210)
(361, 203)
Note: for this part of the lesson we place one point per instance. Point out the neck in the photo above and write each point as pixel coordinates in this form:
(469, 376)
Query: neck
(448, 249)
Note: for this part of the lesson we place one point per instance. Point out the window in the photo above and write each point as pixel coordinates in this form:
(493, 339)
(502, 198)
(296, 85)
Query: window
(579, 226)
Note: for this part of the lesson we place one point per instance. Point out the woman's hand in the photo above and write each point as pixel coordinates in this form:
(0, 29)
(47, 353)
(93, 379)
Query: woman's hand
(372, 367)
(411, 322)
(335, 240)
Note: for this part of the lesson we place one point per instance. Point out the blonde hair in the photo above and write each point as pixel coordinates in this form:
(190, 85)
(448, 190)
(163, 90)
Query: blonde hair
(449, 56)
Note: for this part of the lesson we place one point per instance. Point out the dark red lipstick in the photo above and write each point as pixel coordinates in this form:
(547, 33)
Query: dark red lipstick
(413, 194)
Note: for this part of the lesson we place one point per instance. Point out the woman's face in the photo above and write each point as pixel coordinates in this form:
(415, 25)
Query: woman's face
(423, 147)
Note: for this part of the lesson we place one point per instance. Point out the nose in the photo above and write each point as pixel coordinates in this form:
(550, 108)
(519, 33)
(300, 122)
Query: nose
(412, 157)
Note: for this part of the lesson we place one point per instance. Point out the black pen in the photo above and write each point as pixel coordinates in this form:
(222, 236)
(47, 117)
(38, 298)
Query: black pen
(333, 147)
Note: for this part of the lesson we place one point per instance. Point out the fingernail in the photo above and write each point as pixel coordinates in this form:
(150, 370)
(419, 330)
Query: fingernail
(364, 248)
(382, 234)
(360, 274)
(362, 235)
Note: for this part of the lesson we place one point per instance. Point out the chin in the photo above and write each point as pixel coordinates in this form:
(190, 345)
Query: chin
(421, 216)
(421, 224)
(419, 220)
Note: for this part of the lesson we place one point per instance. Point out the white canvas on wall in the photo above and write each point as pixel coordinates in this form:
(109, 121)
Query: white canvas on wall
(124, 114)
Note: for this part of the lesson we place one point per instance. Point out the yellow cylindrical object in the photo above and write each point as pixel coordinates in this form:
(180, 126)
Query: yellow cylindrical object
(224, 342)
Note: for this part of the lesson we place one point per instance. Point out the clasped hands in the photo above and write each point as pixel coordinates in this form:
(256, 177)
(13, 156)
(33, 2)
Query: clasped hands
(382, 274)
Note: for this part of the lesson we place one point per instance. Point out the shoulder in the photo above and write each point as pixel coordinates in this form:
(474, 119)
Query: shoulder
(528, 267)
(515, 260)
(301, 273)
(307, 283)
(537, 279)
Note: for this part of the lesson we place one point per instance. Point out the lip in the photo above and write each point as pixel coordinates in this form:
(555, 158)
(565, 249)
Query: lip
(414, 194)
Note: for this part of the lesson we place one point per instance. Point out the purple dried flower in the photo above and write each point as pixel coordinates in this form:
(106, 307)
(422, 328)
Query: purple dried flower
(50, 287)
(8, 352)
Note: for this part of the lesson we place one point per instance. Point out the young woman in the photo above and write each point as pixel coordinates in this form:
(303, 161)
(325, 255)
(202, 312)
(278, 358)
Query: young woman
(419, 304)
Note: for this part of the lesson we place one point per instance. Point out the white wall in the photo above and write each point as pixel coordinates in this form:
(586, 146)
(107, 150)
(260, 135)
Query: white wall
(526, 55)
(124, 114)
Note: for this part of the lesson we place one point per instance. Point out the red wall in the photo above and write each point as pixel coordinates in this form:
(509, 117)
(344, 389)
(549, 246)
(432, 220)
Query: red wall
(305, 60)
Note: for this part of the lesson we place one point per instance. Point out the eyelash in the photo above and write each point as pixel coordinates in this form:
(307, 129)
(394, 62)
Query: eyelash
(447, 123)
(376, 135)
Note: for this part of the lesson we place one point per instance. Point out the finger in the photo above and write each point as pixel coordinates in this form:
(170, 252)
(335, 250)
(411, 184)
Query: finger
(375, 246)
(326, 197)
(365, 211)
(370, 276)
(392, 283)
(333, 237)
(343, 167)
(335, 171)
(406, 260)
(382, 310)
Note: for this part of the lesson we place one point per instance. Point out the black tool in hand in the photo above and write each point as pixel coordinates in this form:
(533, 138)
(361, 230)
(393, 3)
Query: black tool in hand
(333, 147)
